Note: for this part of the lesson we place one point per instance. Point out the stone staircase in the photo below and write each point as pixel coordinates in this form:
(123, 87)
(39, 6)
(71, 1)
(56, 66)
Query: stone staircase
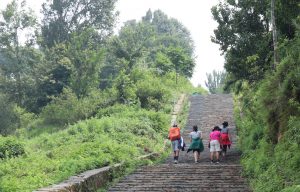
(206, 112)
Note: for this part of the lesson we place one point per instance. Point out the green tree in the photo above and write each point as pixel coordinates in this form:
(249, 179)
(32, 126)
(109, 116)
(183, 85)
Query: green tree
(86, 59)
(215, 81)
(126, 88)
(17, 59)
(126, 51)
(62, 18)
(131, 43)
(172, 32)
(244, 35)
(243, 31)
(54, 75)
(157, 42)
(183, 64)
(8, 118)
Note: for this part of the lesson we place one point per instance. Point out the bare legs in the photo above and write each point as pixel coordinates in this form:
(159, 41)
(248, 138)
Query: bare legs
(224, 150)
(176, 155)
(216, 154)
(196, 156)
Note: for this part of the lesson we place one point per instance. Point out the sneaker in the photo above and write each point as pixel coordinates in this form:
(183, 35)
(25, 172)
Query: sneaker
(211, 161)
(217, 162)
(175, 161)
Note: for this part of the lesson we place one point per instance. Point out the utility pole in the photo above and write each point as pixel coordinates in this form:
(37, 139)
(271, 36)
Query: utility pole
(274, 34)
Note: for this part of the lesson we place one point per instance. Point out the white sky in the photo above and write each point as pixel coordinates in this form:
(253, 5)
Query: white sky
(194, 14)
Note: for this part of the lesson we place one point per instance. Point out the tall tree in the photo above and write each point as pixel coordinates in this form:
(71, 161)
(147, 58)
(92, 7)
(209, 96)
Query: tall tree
(125, 51)
(8, 118)
(243, 32)
(274, 33)
(245, 38)
(17, 58)
(64, 17)
(215, 81)
(86, 59)
(170, 27)
(157, 42)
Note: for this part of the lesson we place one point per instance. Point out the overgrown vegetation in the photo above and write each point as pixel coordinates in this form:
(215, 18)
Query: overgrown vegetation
(267, 102)
(268, 127)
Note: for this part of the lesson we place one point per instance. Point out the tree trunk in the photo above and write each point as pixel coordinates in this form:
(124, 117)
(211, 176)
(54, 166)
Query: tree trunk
(274, 34)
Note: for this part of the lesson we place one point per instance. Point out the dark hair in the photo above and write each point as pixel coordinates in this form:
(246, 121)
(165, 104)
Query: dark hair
(174, 125)
(195, 128)
(216, 128)
(225, 123)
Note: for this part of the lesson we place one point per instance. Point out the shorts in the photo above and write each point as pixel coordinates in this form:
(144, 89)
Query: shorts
(198, 150)
(175, 145)
(215, 146)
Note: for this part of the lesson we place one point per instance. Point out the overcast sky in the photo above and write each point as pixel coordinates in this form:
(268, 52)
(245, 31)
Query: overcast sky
(194, 14)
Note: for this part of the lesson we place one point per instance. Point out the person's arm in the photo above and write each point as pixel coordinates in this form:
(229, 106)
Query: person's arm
(200, 134)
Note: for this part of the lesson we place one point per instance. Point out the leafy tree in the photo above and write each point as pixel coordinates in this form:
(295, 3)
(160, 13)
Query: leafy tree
(243, 31)
(8, 118)
(183, 64)
(244, 35)
(54, 76)
(286, 14)
(17, 60)
(126, 88)
(62, 18)
(156, 42)
(151, 92)
(171, 29)
(215, 81)
(148, 16)
(131, 43)
(126, 51)
(86, 58)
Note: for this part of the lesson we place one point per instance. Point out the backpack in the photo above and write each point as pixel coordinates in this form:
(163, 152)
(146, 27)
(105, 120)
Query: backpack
(174, 133)
(181, 144)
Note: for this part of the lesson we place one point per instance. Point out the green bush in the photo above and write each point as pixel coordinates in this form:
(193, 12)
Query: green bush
(10, 147)
(26, 118)
(68, 109)
(62, 110)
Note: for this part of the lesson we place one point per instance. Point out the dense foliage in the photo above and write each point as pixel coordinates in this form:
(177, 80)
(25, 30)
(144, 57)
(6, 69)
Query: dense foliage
(75, 97)
(267, 94)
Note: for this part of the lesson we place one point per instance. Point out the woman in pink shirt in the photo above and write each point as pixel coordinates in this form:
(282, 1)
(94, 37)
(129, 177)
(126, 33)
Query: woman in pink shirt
(214, 142)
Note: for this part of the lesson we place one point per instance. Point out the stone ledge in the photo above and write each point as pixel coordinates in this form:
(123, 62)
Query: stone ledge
(91, 180)
(87, 181)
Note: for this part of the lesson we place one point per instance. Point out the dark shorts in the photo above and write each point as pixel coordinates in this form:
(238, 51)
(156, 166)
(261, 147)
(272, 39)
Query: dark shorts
(198, 150)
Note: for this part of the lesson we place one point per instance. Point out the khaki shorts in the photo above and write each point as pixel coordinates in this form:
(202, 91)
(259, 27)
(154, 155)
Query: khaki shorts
(214, 146)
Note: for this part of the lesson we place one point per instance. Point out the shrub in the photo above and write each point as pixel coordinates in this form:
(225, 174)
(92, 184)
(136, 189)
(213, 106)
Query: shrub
(10, 147)
(68, 109)
(26, 118)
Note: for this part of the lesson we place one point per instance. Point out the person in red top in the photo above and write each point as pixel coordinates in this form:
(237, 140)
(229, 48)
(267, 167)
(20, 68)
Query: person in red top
(214, 142)
(174, 136)
(225, 138)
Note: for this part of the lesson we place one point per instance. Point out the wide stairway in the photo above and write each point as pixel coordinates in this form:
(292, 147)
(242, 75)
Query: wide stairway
(206, 112)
